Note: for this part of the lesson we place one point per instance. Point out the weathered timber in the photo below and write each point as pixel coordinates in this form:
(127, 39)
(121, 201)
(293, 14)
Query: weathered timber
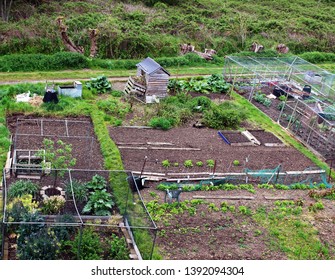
(224, 197)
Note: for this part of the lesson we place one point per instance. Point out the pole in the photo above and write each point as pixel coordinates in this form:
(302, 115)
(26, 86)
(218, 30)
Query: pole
(331, 160)
(145, 160)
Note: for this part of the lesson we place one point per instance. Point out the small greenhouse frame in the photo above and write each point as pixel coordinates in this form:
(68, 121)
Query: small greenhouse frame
(310, 116)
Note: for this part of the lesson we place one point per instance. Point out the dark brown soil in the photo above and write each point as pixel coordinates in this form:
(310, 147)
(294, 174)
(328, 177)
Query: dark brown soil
(29, 133)
(265, 137)
(217, 235)
(211, 146)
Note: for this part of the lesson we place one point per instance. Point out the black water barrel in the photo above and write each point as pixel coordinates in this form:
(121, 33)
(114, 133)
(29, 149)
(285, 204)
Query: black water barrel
(307, 88)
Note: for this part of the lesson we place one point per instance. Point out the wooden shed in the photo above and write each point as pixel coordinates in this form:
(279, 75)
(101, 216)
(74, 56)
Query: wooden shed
(150, 83)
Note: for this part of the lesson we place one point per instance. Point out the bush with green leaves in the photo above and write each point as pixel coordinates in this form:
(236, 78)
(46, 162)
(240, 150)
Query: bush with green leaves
(22, 187)
(199, 103)
(113, 106)
(20, 206)
(99, 203)
(87, 245)
(42, 245)
(80, 190)
(262, 99)
(160, 122)
(97, 182)
(99, 84)
(64, 232)
(118, 248)
(227, 115)
(42, 62)
(59, 154)
(52, 205)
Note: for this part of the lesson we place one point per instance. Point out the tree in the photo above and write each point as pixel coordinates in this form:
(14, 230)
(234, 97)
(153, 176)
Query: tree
(59, 155)
(5, 6)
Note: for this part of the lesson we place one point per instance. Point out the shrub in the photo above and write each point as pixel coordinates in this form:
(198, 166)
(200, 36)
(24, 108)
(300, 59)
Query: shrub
(23, 203)
(41, 62)
(200, 103)
(87, 246)
(52, 204)
(261, 98)
(22, 187)
(80, 190)
(219, 117)
(63, 233)
(160, 122)
(199, 163)
(118, 248)
(99, 203)
(42, 245)
(97, 183)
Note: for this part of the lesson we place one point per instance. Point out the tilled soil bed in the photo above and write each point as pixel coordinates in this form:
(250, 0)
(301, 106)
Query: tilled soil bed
(200, 145)
(29, 133)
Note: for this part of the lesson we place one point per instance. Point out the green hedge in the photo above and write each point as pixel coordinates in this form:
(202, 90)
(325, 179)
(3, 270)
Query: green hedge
(42, 62)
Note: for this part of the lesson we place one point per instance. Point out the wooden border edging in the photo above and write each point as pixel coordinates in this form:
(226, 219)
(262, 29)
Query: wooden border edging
(224, 197)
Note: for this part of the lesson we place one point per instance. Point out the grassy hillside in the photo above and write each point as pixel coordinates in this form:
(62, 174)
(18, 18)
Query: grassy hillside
(134, 29)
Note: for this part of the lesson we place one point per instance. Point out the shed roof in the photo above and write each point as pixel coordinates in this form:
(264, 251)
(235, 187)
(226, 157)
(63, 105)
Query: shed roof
(150, 66)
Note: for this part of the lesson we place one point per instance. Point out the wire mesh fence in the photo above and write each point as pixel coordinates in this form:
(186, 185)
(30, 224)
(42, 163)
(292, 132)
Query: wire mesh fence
(69, 211)
(307, 91)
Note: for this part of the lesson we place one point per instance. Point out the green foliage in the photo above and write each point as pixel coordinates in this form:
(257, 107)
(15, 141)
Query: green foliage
(282, 98)
(87, 245)
(227, 115)
(244, 210)
(160, 122)
(199, 163)
(42, 245)
(188, 163)
(316, 206)
(20, 206)
(98, 182)
(99, 203)
(22, 187)
(52, 205)
(213, 208)
(261, 98)
(63, 232)
(100, 84)
(318, 57)
(80, 190)
(128, 30)
(210, 163)
(236, 162)
(199, 104)
(118, 248)
(214, 83)
(166, 163)
(41, 62)
(59, 154)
